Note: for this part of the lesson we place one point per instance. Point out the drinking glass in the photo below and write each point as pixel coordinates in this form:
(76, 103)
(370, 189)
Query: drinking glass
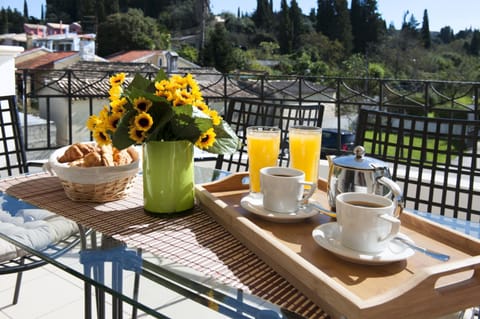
(263, 147)
(305, 143)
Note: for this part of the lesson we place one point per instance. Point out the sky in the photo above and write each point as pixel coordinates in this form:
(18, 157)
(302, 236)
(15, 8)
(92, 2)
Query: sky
(458, 14)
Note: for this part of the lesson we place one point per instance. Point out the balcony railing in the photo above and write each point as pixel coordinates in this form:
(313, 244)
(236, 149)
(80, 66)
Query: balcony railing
(57, 103)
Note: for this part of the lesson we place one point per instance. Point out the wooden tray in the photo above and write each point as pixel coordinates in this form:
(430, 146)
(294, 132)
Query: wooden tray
(418, 287)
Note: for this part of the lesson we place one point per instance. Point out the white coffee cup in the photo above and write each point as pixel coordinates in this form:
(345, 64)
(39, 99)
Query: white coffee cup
(284, 189)
(366, 221)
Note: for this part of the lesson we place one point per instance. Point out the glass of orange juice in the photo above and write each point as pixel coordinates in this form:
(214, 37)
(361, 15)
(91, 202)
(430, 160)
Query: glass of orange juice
(304, 145)
(263, 147)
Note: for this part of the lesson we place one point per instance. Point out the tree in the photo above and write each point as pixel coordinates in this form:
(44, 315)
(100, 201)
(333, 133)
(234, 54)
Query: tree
(367, 24)
(4, 17)
(475, 43)
(263, 15)
(11, 21)
(25, 10)
(285, 29)
(425, 31)
(188, 52)
(333, 20)
(129, 31)
(296, 18)
(446, 35)
(343, 27)
(218, 51)
(411, 26)
(358, 24)
(325, 17)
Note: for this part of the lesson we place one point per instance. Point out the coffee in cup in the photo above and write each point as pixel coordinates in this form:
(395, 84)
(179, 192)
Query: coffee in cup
(284, 189)
(366, 221)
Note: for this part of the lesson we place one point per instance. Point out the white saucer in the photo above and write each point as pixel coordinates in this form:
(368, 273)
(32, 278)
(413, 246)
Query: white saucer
(328, 236)
(254, 204)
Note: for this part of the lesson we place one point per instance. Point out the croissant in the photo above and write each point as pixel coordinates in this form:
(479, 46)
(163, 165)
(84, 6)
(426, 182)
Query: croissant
(107, 155)
(75, 151)
(133, 153)
(78, 162)
(87, 155)
(121, 157)
(93, 159)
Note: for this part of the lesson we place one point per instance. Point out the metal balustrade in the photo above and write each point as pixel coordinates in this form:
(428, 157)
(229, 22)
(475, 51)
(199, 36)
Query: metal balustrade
(62, 100)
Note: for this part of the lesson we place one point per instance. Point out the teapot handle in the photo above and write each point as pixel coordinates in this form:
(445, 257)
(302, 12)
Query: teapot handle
(397, 193)
(331, 193)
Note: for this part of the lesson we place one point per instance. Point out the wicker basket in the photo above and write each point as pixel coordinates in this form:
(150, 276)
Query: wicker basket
(93, 184)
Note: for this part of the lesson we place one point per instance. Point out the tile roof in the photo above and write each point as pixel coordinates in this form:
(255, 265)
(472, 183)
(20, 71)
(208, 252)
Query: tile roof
(91, 78)
(45, 61)
(132, 56)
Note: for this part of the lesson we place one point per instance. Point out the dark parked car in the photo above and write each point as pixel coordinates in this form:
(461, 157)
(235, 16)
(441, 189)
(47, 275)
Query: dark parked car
(330, 141)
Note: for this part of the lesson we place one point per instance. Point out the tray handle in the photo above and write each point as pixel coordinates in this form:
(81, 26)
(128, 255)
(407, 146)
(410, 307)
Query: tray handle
(440, 271)
(453, 293)
(237, 181)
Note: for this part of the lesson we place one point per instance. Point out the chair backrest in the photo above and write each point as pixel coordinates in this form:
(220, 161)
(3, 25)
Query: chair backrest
(436, 160)
(12, 151)
(244, 113)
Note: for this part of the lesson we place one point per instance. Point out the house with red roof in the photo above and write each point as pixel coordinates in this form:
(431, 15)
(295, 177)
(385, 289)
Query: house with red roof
(164, 59)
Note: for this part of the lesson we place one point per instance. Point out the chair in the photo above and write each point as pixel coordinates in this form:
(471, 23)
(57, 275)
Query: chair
(243, 113)
(94, 260)
(436, 160)
(13, 162)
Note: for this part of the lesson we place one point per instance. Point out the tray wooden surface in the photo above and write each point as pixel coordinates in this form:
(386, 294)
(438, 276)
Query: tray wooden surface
(418, 287)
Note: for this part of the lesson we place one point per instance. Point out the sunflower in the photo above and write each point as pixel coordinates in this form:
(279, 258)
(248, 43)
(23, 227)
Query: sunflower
(143, 121)
(112, 121)
(216, 119)
(115, 92)
(142, 104)
(206, 139)
(137, 135)
(93, 122)
(117, 79)
(102, 137)
(118, 106)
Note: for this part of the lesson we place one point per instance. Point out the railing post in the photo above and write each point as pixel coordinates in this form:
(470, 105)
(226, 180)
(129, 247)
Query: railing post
(339, 122)
(299, 97)
(70, 128)
(426, 105)
(475, 102)
(380, 93)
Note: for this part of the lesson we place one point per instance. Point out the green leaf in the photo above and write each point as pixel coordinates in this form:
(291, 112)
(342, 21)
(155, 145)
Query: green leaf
(139, 83)
(121, 138)
(161, 75)
(227, 142)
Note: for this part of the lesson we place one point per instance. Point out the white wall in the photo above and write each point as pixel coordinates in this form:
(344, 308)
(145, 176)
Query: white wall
(7, 68)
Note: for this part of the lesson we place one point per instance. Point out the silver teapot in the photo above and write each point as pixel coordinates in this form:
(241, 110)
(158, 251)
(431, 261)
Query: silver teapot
(360, 173)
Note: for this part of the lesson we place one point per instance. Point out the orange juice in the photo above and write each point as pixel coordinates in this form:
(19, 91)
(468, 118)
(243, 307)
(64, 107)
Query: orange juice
(305, 143)
(263, 147)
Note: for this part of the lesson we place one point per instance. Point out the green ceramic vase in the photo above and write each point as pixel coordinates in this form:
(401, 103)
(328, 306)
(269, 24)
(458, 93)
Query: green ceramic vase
(168, 176)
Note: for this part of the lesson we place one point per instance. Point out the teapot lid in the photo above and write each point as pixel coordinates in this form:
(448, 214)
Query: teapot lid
(358, 160)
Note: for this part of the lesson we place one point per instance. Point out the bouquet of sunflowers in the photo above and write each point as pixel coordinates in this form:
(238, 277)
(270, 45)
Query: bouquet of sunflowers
(165, 109)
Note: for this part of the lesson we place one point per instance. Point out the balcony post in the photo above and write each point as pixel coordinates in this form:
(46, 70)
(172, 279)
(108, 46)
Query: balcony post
(7, 68)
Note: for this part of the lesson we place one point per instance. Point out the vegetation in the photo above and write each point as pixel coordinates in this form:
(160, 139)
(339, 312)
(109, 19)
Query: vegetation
(421, 149)
(331, 40)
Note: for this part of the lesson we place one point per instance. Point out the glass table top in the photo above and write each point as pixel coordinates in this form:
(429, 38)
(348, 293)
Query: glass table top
(151, 283)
